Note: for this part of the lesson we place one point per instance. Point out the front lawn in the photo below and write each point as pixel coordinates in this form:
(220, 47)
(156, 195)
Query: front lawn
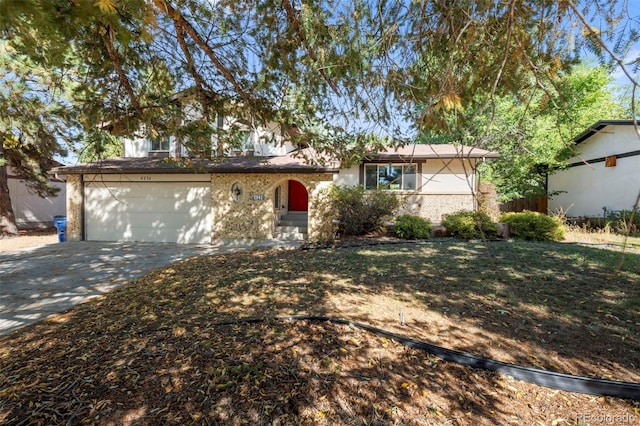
(150, 352)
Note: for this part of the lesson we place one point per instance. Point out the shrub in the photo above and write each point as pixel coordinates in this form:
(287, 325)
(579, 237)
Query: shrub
(467, 224)
(534, 226)
(360, 212)
(412, 227)
(624, 221)
(619, 222)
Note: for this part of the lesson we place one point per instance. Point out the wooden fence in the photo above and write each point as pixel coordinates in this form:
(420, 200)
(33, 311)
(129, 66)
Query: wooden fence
(537, 204)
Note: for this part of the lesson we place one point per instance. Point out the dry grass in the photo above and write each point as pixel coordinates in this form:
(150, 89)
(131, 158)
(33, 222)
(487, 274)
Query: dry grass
(150, 352)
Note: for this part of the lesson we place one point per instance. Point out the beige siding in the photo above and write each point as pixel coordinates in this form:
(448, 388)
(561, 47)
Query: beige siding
(447, 176)
(31, 210)
(348, 177)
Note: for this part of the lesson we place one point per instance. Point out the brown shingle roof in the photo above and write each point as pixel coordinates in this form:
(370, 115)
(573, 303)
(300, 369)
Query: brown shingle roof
(304, 161)
(285, 163)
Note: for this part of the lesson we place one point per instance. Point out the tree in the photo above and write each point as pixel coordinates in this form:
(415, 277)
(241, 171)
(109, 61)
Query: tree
(337, 75)
(30, 125)
(534, 130)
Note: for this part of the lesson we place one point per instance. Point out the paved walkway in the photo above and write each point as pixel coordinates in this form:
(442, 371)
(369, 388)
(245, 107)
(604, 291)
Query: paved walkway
(37, 282)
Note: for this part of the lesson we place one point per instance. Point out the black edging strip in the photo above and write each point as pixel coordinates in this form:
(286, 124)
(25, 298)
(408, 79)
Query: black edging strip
(550, 379)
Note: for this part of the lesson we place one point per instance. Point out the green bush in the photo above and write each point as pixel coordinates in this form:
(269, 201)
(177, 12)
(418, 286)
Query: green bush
(412, 227)
(528, 225)
(467, 224)
(360, 212)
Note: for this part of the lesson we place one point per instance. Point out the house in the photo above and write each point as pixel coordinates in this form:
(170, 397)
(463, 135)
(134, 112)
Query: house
(30, 209)
(155, 193)
(603, 176)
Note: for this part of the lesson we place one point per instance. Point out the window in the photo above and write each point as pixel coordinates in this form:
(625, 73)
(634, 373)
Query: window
(160, 143)
(394, 177)
(246, 140)
(277, 198)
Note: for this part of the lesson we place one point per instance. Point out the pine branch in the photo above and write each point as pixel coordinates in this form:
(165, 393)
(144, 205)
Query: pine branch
(194, 72)
(107, 39)
(291, 15)
(182, 24)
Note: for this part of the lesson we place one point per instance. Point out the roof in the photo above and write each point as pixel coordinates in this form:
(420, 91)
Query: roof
(292, 162)
(599, 125)
(301, 161)
(426, 151)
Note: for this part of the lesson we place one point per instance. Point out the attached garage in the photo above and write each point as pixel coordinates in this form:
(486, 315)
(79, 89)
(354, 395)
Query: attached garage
(187, 201)
(148, 207)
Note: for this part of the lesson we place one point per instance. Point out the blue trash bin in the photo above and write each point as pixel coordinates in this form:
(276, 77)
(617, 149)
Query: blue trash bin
(61, 225)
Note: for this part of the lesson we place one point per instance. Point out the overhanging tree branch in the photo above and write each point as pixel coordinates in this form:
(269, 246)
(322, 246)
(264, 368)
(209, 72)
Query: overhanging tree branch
(293, 20)
(199, 82)
(107, 39)
(182, 24)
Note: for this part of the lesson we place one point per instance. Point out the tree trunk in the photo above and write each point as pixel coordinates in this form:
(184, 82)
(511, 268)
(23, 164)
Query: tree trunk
(8, 224)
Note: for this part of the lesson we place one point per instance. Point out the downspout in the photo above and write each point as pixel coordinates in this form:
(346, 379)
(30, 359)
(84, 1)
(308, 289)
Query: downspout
(83, 232)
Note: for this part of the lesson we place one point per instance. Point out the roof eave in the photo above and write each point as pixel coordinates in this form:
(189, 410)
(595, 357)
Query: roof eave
(599, 125)
(399, 157)
(74, 170)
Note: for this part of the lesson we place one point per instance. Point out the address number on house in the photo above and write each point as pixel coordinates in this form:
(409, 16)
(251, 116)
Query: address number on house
(257, 197)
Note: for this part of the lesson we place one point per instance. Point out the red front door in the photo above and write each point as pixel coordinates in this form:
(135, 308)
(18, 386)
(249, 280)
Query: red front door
(298, 197)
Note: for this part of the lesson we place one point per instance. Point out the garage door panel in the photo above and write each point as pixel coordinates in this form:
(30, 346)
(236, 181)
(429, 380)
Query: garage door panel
(154, 211)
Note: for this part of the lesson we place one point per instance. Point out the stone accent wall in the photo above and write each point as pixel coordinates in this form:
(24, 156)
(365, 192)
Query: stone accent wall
(74, 207)
(433, 206)
(252, 215)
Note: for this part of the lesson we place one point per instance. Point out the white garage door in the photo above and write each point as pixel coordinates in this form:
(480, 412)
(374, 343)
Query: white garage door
(148, 211)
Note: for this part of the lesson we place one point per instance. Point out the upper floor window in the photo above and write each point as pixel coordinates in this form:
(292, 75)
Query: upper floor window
(160, 143)
(394, 177)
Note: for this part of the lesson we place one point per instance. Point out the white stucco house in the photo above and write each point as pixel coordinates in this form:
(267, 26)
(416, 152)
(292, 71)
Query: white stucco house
(157, 192)
(31, 210)
(604, 176)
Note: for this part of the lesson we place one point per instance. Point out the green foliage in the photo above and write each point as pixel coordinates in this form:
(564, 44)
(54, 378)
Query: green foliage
(411, 227)
(31, 123)
(360, 212)
(99, 145)
(325, 67)
(329, 74)
(468, 224)
(625, 222)
(533, 129)
(529, 225)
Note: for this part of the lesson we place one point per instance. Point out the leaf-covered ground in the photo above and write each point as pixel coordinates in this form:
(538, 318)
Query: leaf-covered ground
(151, 352)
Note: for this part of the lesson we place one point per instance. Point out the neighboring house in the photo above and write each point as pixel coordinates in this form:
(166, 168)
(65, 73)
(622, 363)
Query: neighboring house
(605, 174)
(271, 192)
(31, 210)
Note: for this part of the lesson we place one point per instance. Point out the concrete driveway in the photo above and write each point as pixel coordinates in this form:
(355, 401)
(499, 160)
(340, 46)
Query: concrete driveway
(37, 282)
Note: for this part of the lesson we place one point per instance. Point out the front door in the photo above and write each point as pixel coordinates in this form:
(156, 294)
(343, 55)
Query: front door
(298, 197)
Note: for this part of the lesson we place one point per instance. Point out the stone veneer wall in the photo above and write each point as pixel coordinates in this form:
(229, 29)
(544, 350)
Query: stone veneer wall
(74, 207)
(250, 218)
(433, 206)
